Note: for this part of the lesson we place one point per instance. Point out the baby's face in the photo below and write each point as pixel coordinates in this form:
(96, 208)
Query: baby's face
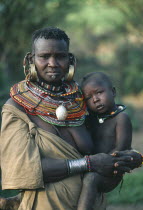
(99, 97)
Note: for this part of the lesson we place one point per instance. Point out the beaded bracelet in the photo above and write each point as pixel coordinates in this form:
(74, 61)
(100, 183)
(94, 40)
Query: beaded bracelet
(88, 163)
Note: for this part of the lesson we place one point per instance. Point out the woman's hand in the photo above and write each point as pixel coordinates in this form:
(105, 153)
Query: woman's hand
(136, 158)
(105, 164)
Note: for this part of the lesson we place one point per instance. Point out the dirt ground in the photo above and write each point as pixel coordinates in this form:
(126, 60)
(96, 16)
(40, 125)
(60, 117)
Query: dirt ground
(126, 207)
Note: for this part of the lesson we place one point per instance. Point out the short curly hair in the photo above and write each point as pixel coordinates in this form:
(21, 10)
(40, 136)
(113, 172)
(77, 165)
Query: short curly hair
(98, 76)
(50, 33)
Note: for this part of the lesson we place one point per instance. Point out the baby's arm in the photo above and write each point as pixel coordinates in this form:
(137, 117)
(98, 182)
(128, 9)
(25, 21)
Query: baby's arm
(123, 133)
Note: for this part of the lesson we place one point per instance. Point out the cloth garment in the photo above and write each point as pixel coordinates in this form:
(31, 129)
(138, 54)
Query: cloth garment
(22, 143)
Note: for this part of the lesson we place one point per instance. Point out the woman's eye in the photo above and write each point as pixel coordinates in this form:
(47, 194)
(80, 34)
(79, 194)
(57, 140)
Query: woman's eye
(61, 56)
(44, 56)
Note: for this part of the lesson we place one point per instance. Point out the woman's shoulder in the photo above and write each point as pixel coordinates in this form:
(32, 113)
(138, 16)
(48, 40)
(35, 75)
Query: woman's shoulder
(10, 101)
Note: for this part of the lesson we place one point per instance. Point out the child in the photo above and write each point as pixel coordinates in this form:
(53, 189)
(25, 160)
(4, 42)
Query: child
(110, 128)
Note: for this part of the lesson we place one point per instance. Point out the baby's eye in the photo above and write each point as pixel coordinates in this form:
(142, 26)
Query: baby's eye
(87, 98)
(99, 92)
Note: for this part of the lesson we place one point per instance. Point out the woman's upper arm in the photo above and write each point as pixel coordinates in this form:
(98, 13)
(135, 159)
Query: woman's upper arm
(20, 158)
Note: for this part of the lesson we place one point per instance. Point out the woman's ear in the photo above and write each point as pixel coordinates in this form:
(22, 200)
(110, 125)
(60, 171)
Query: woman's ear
(114, 91)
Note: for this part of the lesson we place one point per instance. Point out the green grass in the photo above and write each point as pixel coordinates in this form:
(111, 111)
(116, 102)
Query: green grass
(8, 193)
(131, 191)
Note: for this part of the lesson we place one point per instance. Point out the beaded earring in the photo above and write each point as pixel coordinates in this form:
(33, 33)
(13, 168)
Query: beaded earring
(29, 68)
(69, 76)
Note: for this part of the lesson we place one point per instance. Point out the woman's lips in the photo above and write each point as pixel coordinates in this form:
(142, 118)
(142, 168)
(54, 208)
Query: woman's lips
(53, 75)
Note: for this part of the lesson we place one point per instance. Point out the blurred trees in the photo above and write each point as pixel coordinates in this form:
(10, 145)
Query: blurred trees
(18, 20)
(106, 35)
(111, 40)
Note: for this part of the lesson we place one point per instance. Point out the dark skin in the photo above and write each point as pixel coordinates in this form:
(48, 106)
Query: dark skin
(115, 134)
(51, 58)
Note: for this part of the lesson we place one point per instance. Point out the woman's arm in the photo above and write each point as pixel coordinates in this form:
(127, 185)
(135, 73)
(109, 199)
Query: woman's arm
(104, 164)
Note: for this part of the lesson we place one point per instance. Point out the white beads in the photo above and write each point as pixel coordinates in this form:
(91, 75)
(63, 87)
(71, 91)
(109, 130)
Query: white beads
(120, 107)
(101, 120)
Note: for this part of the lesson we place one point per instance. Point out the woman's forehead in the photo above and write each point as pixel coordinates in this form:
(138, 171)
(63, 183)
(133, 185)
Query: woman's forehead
(50, 45)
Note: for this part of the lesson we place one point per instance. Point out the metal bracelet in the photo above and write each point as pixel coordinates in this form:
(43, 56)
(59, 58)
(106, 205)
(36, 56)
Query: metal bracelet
(77, 166)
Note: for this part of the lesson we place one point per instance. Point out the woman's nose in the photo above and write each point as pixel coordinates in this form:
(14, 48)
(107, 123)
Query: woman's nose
(52, 62)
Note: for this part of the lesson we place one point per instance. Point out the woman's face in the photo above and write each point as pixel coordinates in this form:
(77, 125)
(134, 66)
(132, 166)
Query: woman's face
(51, 59)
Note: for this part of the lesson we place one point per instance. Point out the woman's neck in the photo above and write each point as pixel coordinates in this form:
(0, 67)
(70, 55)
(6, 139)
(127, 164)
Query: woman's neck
(54, 87)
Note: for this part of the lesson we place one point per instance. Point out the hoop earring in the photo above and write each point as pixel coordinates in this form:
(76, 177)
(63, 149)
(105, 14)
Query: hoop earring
(26, 65)
(69, 76)
(32, 73)
(29, 68)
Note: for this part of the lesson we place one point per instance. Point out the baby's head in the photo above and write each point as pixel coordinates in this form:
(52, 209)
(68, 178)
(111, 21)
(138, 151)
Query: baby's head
(98, 92)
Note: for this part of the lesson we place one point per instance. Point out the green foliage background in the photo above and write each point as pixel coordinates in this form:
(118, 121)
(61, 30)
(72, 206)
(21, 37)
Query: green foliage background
(106, 35)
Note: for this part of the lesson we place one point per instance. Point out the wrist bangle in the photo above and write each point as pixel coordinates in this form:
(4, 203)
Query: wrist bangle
(77, 166)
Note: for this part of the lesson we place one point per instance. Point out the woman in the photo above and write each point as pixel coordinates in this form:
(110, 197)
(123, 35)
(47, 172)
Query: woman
(45, 147)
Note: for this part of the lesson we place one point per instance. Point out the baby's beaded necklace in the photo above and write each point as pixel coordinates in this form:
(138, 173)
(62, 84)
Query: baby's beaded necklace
(119, 109)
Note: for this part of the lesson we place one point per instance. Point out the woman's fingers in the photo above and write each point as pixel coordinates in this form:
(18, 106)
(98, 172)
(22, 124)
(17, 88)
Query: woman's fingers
(134, 159)
(123, 159)
(120, 167)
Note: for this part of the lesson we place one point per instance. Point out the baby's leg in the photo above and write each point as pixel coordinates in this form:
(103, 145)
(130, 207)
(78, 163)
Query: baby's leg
(107, 184)
(89, 194)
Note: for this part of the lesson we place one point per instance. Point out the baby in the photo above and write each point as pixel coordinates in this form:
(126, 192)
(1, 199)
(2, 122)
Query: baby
(110, 128)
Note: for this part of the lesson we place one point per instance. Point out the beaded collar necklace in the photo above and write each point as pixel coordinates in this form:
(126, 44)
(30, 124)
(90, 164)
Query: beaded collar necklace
(120, 108)
(65, 107)
(50, 87)
(64, 90)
